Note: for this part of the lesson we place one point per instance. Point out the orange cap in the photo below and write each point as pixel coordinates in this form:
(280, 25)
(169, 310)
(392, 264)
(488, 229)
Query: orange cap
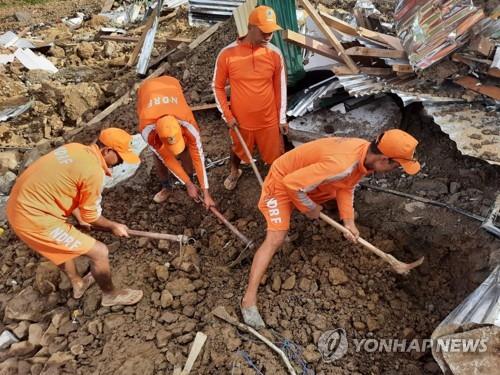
(170, 133)
(399, 146)
(121, 142)
(264, 18)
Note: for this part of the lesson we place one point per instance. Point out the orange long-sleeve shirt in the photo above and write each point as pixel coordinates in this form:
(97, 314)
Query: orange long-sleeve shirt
(320, 166)
(71, 176)
(258, 85)
(158, 97)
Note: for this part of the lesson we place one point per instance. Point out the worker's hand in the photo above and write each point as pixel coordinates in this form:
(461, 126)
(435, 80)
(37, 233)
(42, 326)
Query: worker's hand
(314, 213)
(353, 234)
(192, 190)
(119, 230)
(207, 200)
(284, 128)
(231, 124)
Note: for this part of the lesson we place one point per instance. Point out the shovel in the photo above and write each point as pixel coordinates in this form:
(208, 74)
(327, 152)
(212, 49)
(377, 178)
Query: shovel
(398, 266)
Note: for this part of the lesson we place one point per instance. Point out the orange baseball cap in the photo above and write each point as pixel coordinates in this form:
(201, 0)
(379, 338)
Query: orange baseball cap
(264, 18)
(400, 146)
(170, 133)
(121, 142)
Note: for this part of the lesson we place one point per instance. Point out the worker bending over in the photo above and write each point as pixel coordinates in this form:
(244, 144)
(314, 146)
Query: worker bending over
(67, 179)
(312, 174)
(167, 125)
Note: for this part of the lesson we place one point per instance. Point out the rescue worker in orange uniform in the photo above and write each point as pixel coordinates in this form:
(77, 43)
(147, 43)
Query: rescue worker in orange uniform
(66, 180)
(256, 72)
(167, 124)
(312, 174)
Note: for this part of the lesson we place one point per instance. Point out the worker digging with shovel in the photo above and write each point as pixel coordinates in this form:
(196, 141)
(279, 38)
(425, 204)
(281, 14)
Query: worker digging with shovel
(312, 174)
(66, 180)
(168, 126)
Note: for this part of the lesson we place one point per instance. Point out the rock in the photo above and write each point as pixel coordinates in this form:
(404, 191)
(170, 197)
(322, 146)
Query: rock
(23, 367)
(9, 160)
(7, 181)
(305, 284)
(337, 276)
(372, 324)
(80, 98)
(48, 336)
(59, 359)
(162, 272)
(142, 242)
(180, 286)
(276, 286)
(21, 331)
(76, 349)
(359, 326)
(59, 317)
(408, 333)
(109, 49)
(95, 327)
(36, 369)
(454, 187)
(413, 206)
(57, 51)
(41, 149)
(85, 50)
(91, 301)
(232, 343)
(20, 349)
(47, 277)
(185, 339)
(311, 354)
(166, 299)
(27, 305)
(162, 337)
(83, 340)
(138, 365)
(289, 283)
(429, 185)
(169, 317)
(35, 332)
(9, 366)
(66, 328)
(113, 321)
(195, 97)
(189, 299)
(432, 367)
(22, 16)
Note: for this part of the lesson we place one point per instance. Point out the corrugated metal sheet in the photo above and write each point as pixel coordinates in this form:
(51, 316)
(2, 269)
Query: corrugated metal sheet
(412, 97)
(211, 11)
(362, 84)
(475, 131)
(430, 30)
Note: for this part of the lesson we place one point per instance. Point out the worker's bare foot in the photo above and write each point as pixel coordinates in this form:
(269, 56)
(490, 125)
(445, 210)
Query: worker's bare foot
(79, 290)
(161, 196)
(125, 297)
(251, 317)
(232, 180)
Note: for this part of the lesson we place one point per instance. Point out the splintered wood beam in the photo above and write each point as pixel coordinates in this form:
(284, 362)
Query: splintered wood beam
(402, 68)
(318, 20)
(361, 31)
(138, 46)
(476, 85)
(311, 44)
(345, 71)
(376, 52)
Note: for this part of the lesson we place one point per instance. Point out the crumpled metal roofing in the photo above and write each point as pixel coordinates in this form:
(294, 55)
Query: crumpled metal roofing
(211, 11)
(431, 29)
(362, 84)
(475, 131)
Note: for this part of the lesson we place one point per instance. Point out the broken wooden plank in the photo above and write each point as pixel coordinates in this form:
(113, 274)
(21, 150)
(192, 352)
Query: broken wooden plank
(376, 52)
(318, 20)
(198, 343)
(476, 85)
(129, 39)
(483, 45)
(345, 71)
(108, 5)
(402, 68)
(494, 72)
(203, 107)
(207, 34)
(138, 46)
(311, 44)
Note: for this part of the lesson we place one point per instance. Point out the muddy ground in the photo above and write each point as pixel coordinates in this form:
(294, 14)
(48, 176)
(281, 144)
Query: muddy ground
(317, 282)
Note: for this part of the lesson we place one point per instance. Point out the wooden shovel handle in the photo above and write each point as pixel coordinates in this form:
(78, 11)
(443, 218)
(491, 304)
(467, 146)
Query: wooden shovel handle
(249, 155)
(398, 266)
(159, 236)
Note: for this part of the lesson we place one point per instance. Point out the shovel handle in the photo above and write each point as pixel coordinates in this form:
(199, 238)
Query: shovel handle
(231, 227)
(399, 267)
(249, 155)
(159, 236)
